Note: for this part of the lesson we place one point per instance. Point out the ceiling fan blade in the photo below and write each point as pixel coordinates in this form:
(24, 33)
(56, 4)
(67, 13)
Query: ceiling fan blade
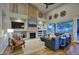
(48, 4)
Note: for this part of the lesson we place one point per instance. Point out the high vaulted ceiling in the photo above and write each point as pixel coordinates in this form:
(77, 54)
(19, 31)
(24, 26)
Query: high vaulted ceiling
(43, 8)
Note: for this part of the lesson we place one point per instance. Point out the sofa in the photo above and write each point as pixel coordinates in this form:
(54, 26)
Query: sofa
(52, 43)
(58, 42)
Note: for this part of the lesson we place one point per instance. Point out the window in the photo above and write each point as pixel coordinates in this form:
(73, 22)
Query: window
(78, 29)
(51, 28)
(65, 27)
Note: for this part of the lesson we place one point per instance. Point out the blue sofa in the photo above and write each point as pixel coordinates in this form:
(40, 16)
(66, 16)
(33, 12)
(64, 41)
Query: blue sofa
(58, 42)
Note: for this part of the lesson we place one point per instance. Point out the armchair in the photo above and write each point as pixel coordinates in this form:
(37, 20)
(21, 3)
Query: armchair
(16, 41)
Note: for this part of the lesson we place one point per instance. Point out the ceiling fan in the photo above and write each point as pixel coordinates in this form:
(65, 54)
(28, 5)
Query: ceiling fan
(47, 4)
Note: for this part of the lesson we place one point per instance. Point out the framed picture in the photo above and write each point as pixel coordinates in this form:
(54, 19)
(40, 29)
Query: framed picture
(32, 23)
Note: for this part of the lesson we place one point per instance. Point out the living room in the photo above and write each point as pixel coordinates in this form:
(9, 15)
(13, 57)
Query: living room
(45, 28)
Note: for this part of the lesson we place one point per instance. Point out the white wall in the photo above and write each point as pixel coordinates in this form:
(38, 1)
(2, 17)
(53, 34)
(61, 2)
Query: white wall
(0, 16)
(5, 17)
(0, 20)
(72, 10)
(75, 28)
(4, 24)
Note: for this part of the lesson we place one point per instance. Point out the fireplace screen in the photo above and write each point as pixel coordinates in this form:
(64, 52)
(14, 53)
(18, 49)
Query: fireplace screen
(32, 35)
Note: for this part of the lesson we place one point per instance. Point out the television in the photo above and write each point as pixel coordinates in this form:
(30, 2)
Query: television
(32, 23)
(17, 25)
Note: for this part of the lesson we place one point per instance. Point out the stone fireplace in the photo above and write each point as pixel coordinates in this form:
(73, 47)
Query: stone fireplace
(32, 33)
